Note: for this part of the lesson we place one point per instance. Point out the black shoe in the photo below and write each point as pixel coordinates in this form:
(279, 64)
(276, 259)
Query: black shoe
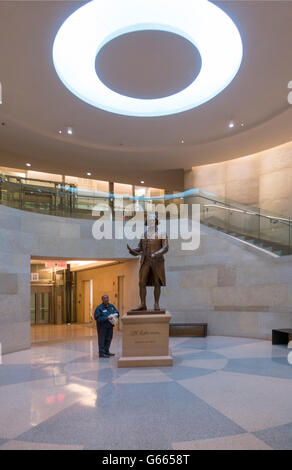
(104, 355)
(110, 354)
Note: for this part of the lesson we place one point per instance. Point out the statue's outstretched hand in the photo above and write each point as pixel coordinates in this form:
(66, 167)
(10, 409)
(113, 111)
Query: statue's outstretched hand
(131, 251)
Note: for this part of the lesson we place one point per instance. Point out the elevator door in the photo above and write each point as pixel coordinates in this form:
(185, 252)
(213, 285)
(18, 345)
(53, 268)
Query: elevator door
(41, 305)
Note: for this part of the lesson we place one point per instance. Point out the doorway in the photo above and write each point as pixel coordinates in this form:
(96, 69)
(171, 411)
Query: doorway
(121, 295)
(88, 300)
(41, 305)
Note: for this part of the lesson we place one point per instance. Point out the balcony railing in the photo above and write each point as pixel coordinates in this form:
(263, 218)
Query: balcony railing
(243, 221)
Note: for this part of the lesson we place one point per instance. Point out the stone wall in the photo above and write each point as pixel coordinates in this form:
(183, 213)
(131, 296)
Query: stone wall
(263, 179)
(237, 289)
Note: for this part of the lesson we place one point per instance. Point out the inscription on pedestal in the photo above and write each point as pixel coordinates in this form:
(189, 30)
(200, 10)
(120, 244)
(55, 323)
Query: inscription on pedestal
(145, 337)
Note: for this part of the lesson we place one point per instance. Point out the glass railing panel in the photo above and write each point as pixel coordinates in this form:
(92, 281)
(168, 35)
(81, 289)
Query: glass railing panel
(231, 219)
(249, 207)
(214, 214)
(36, 200)
(244, 223)
(10, 194)
(275, 228)
(210, 196)
(275, 231)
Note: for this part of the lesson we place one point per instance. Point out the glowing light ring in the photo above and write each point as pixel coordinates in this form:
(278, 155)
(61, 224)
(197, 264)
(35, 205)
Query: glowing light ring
(89, 28)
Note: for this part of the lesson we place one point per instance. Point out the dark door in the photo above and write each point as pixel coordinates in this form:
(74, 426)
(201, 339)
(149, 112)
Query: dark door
(41, 305)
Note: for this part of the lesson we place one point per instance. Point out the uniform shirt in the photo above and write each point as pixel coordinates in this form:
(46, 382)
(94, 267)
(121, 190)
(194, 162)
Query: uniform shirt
(102, 312)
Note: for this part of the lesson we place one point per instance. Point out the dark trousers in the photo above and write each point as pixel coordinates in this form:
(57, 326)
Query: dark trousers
(105, 336)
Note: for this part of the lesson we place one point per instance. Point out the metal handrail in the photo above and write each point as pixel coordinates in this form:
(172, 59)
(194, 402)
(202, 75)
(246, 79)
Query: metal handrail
(276, 219)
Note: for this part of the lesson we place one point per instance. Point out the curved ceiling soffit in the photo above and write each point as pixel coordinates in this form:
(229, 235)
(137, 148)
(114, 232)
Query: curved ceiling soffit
(137, 149)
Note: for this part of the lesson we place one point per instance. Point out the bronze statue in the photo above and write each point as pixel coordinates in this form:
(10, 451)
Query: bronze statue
(151, 248)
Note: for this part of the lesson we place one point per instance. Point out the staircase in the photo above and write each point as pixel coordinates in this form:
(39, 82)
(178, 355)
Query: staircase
(273, 247)
(265, 230)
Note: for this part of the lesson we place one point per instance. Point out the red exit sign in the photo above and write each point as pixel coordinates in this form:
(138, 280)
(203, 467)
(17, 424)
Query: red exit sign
(56, 264)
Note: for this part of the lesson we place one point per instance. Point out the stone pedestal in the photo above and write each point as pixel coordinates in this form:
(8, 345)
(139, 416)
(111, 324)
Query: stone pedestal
(145, 340)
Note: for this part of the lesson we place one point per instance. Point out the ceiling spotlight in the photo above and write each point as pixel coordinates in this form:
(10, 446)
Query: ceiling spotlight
(28, 164)
(60, 132)
(142, 182)
(231, 124)
(69, 131)
(182, 141)
(242, 124)
(88, 174)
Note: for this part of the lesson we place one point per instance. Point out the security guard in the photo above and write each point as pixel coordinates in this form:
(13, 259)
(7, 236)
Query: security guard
(103, 316)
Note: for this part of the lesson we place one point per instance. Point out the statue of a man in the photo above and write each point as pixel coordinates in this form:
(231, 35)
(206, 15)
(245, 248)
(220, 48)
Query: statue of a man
(151, 248)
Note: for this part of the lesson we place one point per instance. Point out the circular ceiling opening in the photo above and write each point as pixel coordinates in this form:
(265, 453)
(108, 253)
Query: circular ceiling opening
(148, 64)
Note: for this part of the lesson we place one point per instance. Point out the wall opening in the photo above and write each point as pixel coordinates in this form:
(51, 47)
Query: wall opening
(65, 294)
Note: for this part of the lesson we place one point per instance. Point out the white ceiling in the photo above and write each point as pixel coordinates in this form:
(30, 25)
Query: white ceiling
(147, 64)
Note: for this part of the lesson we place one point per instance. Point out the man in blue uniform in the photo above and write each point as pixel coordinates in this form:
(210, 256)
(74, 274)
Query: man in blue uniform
(103, 315)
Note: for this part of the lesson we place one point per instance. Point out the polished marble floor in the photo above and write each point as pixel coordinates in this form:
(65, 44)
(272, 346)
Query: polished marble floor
(221, 393)
(56, 333)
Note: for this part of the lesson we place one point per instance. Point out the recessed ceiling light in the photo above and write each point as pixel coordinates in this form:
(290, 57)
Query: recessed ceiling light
(88, 174)
(182, 141)
(89, 28)
(69, 130)
(28, 164)
(60, 132)
(231, 124)
(242, 124)
(142, 182)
